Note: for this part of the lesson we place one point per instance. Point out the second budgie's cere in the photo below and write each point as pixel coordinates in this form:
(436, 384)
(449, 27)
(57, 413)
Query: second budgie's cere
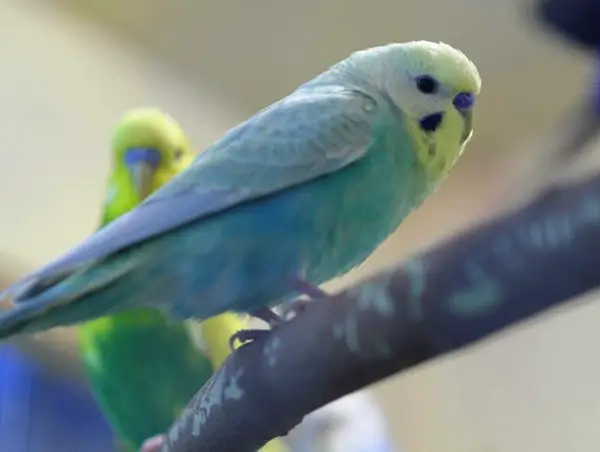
(298, 194)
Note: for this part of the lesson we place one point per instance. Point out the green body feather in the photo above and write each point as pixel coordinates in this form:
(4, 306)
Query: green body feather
(134, 361)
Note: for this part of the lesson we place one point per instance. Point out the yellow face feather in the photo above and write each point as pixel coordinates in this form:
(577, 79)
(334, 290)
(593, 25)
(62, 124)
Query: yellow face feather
(451, 67)
(144, 128)
(438, 151)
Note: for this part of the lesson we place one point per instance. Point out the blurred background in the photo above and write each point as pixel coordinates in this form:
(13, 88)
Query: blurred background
(70, 69)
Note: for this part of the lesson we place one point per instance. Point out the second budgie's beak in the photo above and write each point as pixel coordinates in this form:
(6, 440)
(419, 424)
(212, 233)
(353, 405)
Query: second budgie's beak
(142, 163)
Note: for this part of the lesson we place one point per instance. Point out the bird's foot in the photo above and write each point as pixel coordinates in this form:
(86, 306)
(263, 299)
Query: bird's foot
(250, 335)
(306, 288)
(295, 307)
(153, 444)
(245, 336)
(290, 310)
(268, 316)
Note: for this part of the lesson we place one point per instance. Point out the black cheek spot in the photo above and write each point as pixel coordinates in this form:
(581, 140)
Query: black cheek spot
(430, 123)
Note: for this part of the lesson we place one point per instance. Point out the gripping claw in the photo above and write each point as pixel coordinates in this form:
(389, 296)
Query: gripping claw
(292, 309)
(153, 444)
(244, 336)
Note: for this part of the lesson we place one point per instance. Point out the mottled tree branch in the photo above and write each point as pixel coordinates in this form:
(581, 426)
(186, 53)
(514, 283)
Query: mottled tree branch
(496, 274)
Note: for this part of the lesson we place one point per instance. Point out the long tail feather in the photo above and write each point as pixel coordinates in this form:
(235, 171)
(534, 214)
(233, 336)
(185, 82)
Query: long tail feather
(74, 300)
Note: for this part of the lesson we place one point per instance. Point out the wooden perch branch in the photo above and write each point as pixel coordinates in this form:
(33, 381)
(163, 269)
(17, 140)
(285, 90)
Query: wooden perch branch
(452, 295)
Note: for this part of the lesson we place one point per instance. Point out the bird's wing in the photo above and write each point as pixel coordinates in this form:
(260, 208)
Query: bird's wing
(307, 135)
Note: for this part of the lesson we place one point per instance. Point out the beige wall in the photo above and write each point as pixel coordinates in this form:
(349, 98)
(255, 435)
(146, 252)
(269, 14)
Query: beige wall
(64, 83)
(63, 86)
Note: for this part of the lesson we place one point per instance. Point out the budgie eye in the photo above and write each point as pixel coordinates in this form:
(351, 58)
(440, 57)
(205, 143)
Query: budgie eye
(178, 154)
(427, 84)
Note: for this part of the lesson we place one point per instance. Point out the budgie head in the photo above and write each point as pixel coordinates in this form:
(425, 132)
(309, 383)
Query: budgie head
(148, 149)
(434, 87)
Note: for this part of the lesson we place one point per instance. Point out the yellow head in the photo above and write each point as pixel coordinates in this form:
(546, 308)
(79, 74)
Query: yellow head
(149, 148)
(434, 86)
(438, 97)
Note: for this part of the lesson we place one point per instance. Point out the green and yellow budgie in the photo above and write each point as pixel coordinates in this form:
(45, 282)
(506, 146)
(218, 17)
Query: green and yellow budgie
(144, 368)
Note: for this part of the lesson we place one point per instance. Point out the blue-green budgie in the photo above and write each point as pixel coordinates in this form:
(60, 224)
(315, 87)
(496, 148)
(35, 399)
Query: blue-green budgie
(300, 193)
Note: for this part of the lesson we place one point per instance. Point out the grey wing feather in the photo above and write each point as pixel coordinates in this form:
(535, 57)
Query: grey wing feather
(306, 135)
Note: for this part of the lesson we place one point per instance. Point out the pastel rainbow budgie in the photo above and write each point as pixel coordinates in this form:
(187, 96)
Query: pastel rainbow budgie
(298, 194)
(142, 367)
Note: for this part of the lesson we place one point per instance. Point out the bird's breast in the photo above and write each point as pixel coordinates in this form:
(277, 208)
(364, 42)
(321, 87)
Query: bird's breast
(356, 209)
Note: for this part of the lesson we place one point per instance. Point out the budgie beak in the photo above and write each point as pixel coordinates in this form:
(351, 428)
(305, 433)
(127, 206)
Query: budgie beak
(468, 125)
(464, 104)
(142, 164)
